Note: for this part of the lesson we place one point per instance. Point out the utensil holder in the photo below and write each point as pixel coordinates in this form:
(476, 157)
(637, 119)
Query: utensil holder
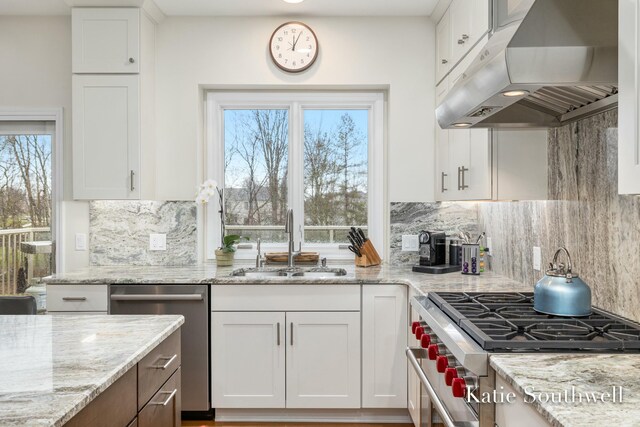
(471, 259)
(369, 256)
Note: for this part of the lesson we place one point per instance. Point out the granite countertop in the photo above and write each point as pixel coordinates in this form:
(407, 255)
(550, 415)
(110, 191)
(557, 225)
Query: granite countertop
(545, 372)
(53, 366)
(555, 373)
(208, 273)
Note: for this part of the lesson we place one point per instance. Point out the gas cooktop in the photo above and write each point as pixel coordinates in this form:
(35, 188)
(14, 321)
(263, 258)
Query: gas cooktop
(504, 322)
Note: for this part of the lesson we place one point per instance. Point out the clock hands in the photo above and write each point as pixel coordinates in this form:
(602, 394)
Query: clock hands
(296, 41)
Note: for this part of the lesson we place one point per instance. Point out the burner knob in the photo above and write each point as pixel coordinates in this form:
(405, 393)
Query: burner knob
(419, 332)
(426, 339)
(414, 326)
(459, 387)
(434, 350)
(451, 373)
(443, 362)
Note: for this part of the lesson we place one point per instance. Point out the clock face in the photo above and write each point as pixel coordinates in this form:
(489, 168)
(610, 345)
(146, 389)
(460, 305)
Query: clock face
(293, 47)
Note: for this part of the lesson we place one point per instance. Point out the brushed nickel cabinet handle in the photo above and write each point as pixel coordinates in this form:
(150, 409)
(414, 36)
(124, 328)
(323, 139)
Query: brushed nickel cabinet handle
(278, 333)
(132, 178)
(442, 189)
(168, 399)
(465, 37)
(166, 365)
(460, 41)
(131, 60)
(444, 61)
(459, 178)
(291, 333)
(462, 172)
(74, 298)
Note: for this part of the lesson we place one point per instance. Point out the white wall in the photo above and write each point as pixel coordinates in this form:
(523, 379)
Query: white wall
(396, 53)
(35, 72)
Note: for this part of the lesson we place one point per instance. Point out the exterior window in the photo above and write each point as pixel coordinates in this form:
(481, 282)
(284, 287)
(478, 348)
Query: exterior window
(314, 153)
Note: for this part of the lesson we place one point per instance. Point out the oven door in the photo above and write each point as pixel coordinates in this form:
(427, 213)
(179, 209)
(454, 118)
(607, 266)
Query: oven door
(437, 400)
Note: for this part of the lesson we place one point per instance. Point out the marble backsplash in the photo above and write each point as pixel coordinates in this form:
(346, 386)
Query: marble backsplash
(600, 228)
(411, 218)
(119, 232)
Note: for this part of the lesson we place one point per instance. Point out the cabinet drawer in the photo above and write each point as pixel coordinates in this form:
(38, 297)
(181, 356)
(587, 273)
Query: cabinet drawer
(77, 298)
(156, 367)
(285, 297)
(118, 401)
(163, 410)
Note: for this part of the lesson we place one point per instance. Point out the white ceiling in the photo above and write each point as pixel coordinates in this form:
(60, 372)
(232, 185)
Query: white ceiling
(246, 7)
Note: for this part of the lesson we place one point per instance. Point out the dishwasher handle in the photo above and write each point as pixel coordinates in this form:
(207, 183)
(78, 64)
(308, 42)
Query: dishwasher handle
(157, 297)
(412, 355)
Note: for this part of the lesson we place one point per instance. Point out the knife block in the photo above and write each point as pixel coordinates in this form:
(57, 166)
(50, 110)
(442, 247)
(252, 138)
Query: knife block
(369, 256)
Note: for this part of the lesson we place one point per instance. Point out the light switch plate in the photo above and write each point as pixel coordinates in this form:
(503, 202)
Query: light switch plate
(157, 242)
(81, 242)
(410, 243)
(537, 258)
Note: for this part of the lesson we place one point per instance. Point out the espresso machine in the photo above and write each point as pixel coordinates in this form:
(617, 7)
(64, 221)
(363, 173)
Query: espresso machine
(432, 250)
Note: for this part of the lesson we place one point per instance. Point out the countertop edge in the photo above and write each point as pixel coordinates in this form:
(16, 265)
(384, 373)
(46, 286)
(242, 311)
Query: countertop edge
(116, 374)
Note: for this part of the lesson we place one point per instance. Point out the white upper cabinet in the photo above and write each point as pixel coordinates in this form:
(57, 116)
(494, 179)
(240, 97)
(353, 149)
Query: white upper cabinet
(105, 40)
(460, 11)
(106, 136)
(443, 46)
(629, 97)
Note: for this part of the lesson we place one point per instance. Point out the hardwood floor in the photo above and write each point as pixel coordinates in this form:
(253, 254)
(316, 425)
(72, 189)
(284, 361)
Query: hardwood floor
(225, 424)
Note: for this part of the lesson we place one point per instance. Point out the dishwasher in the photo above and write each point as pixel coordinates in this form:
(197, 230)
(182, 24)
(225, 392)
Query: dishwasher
(191, 301)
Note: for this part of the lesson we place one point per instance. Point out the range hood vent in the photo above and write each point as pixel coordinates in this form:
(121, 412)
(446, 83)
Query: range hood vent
(557, 64)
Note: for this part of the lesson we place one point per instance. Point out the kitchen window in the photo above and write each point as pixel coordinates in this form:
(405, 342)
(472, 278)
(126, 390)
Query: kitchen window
(320, 154)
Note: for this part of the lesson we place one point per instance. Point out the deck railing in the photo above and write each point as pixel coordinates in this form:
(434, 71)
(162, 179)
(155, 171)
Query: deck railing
(11, 257)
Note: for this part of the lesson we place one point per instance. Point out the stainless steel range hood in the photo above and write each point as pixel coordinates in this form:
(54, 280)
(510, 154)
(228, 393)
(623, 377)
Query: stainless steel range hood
(557, 58)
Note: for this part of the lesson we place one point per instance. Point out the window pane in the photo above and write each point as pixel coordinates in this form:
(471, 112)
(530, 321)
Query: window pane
(256, 158)
(25, 208)
(335, 173)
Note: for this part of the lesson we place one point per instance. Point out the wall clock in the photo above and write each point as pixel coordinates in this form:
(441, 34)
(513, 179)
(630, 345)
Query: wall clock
(293, 47)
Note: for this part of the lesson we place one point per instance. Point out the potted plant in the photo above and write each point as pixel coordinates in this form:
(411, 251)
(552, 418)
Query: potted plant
(227, 250)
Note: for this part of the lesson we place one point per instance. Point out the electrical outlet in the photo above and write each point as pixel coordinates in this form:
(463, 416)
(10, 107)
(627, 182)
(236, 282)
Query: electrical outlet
(81, 242)
(537, 258)
(157, 242)
(410, 243)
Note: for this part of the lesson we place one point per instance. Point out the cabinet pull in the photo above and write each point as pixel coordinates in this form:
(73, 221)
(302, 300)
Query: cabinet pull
(442, 189)
(166, 365)
(131, 60)
(444, 61)
(291, 333)
(459, 178)
(465, 37)
(462, 172)
(278, 333)
(74, 298)
(460, 41)
(168, 399)
(132, 177)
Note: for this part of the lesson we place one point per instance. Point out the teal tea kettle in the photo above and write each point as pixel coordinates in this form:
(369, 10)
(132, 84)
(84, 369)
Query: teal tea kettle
(561, 292)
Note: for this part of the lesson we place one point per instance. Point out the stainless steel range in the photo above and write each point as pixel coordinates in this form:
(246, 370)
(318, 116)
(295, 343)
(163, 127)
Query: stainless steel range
(457, 331)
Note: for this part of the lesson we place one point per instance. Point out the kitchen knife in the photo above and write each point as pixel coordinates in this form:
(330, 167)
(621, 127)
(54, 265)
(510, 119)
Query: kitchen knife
(351, 240)
(361, 233)
(355, 251)
(356, 239)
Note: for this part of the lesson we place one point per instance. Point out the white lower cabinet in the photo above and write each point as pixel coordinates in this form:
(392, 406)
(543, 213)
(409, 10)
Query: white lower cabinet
(384, 340)
(248, 359)
(413, 382)
(316, 355)
(323, 360)
(77, 298)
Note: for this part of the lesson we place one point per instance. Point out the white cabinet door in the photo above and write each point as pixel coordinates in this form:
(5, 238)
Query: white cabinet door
(460, 28)
(443, 177)
(323, 360)
(443, 46)
(106, 137)
(413, 382)
(479, 20)
(248, 359)
(629, 97)
(470, 164)
(77, 298)
(105, 40)
(384, 340)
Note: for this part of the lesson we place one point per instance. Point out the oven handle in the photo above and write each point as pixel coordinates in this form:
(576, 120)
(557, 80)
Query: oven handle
(160, 297)
(412, 355)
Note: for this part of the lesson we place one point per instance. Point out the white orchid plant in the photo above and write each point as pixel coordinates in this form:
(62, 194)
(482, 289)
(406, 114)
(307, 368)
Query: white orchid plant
(206, 191)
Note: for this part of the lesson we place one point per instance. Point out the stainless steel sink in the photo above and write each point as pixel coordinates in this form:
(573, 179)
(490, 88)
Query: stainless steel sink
(313, 272)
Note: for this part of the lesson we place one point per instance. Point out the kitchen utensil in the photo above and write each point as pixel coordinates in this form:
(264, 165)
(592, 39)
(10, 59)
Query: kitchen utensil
(465, 236)
(356, 238)
(355, 250)
(480, 238)
(470, 255)
(361, 234)
(561, 292)
(353, 242)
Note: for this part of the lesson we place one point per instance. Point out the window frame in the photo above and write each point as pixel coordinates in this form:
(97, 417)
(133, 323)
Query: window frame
(296, 102)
